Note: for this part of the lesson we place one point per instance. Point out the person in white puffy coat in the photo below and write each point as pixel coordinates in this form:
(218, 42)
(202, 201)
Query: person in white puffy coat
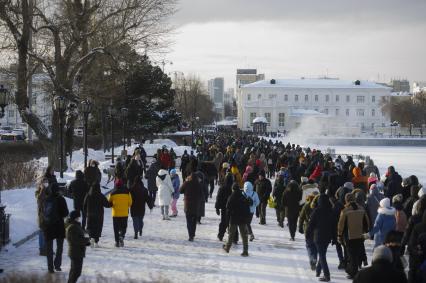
(165, 192)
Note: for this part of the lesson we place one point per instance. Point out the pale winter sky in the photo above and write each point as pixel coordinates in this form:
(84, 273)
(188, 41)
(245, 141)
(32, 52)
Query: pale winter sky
(349, 39)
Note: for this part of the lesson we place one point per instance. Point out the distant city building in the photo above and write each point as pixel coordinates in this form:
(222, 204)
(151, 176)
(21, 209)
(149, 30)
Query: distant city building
(400, 85)
(216, 89)
(228, 96)
(247, 76)
(342, 106)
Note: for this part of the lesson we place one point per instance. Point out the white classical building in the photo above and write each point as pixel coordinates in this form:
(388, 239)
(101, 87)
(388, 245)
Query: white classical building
(339, 106)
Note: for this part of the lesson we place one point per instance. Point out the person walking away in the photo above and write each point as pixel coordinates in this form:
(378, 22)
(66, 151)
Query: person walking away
(393, 242)
(92, 174)
(120, 200)
(277, 193)
(239, 212)
(184, 161)
(93, 208)
(79, 189)
(384, 223)
(416, 258)
(249, 193)
(263, 189)
(140, 198)
(353, 222)
(204, 195)
(401, 220)
(373, 203)
(304, 218)
(176, 186)
(49, 174)
(191, 189)
(290, 202)
(151, 175)
(77, 243)
(54, 211)
(322, 230)
(393, 183)
(165, 192)
(222, 196)
(381, 269)
(41, 194)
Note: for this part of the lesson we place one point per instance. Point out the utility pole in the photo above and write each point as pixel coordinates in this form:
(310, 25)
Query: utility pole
(30, 68)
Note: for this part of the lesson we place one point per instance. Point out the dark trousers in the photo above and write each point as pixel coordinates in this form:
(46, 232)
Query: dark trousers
(322, 259)
(280, 216)
(57, 262)
(249, 230)
(211, 184)
(191, 224)
(75, 271)
(243, 231)
(271, 171)
(152, 195)
(312, 250)
(354, 249)
(292, 225)
(340, 255)
(262, 212)
(138, 224)
(120, 227)
(224, 220)
(41, 243)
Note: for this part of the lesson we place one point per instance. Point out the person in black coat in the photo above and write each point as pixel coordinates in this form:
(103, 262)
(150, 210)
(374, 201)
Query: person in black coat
(94, 204)
(322, 229)
(151, 175)
(393, 183)
(79, 189)
(290, 202)
(140, 199)
(184, 161)
(222, 197)
(263, 190)
(381, 269)
(238, 210)
(55, 210)
(191, 189)
(416, 258)
(49, 174)
(134, 169)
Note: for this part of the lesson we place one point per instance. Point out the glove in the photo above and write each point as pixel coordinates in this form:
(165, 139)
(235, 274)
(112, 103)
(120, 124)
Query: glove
(366, 236)
(218, 212)
(301, 230)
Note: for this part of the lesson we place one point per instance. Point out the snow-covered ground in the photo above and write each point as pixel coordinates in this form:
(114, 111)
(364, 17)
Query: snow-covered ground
(164, 251)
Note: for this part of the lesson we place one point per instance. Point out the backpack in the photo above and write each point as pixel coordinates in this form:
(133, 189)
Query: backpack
(248, 200)
(50, 211)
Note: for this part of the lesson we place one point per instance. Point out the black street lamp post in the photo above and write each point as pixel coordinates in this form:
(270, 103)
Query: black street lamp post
(60, 106)
(112, 112)
(124, 114)
(4, 101)
(86, 108)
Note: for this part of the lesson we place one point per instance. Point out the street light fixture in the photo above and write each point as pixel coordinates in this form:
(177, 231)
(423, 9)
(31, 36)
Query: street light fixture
(60, 105)
(124, 113)
(112, 112)
(4, 100)
(85, 107)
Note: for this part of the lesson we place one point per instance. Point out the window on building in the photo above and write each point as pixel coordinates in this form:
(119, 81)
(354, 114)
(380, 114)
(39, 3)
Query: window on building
(372, 125)
(316, 97)
(348, 98)
(373, 99)
(326, 111)
(337, 98)
(259, 96)
(360, 112)
(285, 97)
(306, 98)
(268, 118)
(34, 100)
(248, 97)
(11, 113)
(296, 98)
(373, 112)
(347, 112)
(272, 96)
(252, 117)
(360, 99)
(281, 119)
(327, 98)
(337, 111)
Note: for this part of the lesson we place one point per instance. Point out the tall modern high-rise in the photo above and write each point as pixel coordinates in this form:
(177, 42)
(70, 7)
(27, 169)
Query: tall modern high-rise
(216, 90)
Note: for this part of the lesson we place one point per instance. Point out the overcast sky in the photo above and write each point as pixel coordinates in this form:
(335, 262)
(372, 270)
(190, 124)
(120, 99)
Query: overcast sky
(349, 39)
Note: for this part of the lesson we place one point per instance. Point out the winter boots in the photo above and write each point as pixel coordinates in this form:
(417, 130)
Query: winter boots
(251, 237)
(226, 248)
(92, 243)
(245, 254)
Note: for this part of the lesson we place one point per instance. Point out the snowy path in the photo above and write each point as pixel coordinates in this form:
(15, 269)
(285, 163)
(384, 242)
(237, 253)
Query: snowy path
(164, 252)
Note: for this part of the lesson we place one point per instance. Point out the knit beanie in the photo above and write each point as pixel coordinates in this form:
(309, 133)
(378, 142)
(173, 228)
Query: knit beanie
(382, 252)
(385, 203)
(349, 185)
(74, 214)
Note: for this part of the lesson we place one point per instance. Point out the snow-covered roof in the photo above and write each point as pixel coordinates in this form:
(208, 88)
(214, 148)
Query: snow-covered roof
(260, 120)
(401, 93)
(314, 83)
(227, 123)
(305, 112)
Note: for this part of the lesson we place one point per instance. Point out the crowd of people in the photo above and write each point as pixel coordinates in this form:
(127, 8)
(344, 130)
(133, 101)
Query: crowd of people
(331, 201)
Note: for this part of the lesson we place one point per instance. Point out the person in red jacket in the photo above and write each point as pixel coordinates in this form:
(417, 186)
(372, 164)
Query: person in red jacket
(165, 159)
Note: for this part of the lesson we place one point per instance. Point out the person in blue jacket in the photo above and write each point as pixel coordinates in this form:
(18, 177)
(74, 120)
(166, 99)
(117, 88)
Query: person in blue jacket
(248, 191)
(385, 222)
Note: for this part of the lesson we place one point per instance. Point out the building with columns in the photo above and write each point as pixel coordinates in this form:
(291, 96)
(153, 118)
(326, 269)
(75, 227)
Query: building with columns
(339, 106)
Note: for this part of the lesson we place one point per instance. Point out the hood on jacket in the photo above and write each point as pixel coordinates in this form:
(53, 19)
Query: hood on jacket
(162, 172)
(324, 202)
(374, 190)
(248, 188)
(249, 169)
(385, 207)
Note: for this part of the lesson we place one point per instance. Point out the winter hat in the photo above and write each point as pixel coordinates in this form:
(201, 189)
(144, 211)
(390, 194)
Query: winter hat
(74, 214)
(397, 198)
(349, 185)
(173, 172)
(304, 179)
(373, 175)
(382, 253)
(225, 165)
(385, 203)
(349, 197)
(248, 186)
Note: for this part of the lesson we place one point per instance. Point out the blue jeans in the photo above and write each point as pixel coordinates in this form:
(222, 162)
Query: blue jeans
(322, 262)
(312, 250)
(41, 242)
(138, 224)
